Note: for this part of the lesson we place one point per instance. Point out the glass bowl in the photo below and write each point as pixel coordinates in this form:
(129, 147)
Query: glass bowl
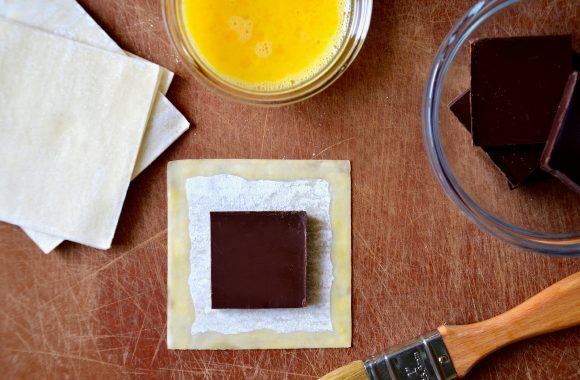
(542, 217)
(356, 32)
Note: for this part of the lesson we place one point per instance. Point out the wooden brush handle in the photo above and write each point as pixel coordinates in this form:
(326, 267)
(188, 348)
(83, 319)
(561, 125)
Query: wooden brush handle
(555, 308)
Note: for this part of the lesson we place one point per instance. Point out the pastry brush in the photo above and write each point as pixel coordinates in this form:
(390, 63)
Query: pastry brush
(451, 351)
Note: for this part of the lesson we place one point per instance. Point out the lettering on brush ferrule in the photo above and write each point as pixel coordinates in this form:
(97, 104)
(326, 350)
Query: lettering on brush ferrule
(424, 359)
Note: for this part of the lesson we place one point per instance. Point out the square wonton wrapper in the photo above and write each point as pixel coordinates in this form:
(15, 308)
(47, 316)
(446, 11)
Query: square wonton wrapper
(180, 308)
(66, 18)
(72, 127)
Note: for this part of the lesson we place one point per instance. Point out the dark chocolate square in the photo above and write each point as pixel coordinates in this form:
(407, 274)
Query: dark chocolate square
(516, 85)
(258, 259)
(520, 164)
(561, 157)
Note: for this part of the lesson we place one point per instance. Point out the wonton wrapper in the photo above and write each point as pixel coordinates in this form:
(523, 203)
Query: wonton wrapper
(73, 121)
(180, 308)
(68, 19)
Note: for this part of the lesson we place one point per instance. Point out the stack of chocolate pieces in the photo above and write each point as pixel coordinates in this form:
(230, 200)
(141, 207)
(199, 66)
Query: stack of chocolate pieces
(522, 109)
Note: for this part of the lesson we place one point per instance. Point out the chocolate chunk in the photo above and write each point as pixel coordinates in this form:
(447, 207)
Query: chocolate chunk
(520, 164)
(461, 108)
(258, 259)
(516, 85)
(561, 157)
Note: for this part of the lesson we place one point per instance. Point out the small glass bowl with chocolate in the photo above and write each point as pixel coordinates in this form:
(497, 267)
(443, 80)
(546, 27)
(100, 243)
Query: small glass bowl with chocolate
(500, 121)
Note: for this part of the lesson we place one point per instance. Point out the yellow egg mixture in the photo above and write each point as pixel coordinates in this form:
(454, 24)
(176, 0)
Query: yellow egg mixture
(266, 44)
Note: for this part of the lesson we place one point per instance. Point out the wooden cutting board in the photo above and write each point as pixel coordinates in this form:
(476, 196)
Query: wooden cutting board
(417, 262)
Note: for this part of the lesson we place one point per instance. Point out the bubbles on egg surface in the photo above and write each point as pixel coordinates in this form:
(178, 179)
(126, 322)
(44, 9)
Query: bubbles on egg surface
(244, 27)
(263, 49)
(262, 45)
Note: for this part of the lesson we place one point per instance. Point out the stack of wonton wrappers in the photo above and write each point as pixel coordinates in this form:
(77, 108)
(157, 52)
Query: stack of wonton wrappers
(80, 118)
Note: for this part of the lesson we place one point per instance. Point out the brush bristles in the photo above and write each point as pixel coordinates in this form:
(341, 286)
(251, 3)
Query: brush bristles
(353, 371)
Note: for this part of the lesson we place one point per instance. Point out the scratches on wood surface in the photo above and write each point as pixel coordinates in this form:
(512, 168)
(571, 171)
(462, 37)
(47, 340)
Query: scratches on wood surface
(316, 155)
(264, 134)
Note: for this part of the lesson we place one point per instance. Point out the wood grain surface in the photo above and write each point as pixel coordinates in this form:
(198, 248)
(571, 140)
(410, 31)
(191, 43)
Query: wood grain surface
(417, 262)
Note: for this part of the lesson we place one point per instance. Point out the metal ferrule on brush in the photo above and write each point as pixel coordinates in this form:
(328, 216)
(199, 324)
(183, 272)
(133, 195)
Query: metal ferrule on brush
(426, 358)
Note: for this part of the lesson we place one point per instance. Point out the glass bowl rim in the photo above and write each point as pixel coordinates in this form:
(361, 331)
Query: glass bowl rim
(567, 244)
(359, 24)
